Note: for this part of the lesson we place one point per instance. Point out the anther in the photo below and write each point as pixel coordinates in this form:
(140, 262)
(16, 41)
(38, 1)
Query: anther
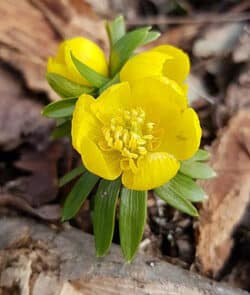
(124, 163)
(135, 113)
(148, 136)
(104, 146)
(142, 151)
(126, 135)
(150, 125)
(118, 144)
(133, 141)
(127, 115)
(133, 166)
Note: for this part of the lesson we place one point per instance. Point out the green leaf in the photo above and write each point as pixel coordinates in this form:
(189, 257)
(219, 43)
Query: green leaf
(151, 36)
(62, 130)
(201, 155)
(78, 195)
(184, 186)
(59, 109)
(175, 200)
(104, 214)
(124, 48)
(71, 175)
(66, 88)
(197, 170)
(133, 210)
(116, 29)
(113, 81)
(92, 76)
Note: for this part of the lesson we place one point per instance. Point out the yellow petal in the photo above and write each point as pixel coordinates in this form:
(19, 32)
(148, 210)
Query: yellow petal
(86, 133)
(176, 68)
(155, 169)
(58, 68)
(60, 53)
(103, 164)
(111, 100)
(84, 123)
(88, 53)
(159, 97)
(143, 65)
(183, 139)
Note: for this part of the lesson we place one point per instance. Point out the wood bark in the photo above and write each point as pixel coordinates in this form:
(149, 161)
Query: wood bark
(41, 260)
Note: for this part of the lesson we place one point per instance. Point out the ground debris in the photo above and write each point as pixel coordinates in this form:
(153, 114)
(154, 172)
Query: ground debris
(31, 163)
(218, 41)
(238, 93)
(27, 42)
(64, 263)
(228, 195)
(20, 114)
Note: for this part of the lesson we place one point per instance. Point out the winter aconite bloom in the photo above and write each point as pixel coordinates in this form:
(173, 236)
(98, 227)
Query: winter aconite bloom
(164, 60)
(140, 130)
(84, 50)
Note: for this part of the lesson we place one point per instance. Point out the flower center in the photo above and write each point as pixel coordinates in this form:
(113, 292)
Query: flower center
(129, 133)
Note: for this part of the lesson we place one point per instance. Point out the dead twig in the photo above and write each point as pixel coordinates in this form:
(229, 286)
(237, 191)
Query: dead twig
(198, 19)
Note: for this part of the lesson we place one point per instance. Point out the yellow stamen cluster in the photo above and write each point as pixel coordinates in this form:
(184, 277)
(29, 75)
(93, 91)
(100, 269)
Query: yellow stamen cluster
(130, 134)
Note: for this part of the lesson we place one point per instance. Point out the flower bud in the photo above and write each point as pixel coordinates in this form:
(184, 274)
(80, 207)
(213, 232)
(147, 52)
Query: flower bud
(84, 50)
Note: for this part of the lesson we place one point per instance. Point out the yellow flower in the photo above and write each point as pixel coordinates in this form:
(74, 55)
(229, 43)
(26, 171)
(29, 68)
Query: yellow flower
(139, 130)
(83, 49)
(164, 60)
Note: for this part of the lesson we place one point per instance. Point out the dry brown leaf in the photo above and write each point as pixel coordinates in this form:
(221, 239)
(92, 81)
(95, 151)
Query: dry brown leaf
(21, 124)
(238, 93)
(41, 186)
(242, 51)
(239, 277)
(181, 36)
(31, 30)
(228, 195)
(218, 41)
(46, 212)
(72, 18)
(20, 114)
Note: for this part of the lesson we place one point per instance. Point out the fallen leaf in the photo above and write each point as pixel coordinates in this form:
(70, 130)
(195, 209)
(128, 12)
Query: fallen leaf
(238, 92)
(228, 195)
(27, 41)
(41, 186)
(181, 36)
(239, 277)
(217, 41)
(46, 212)
(20, 114)
(241, 52)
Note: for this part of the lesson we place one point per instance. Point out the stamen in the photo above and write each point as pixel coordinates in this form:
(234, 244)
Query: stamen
(118, 145)
(124, 164)
(148, 136)
(142, 151)
(133, 166)
(133, 141)
(150, 126)
(125, 137)
(104, 146)
(129, 134)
